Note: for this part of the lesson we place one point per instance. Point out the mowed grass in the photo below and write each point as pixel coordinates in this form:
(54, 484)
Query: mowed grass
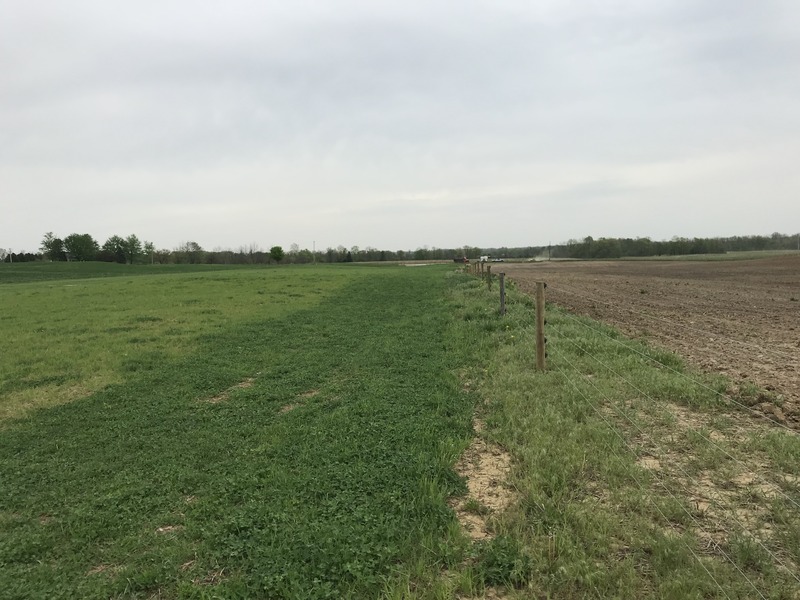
(67, 338)
(49, 271)
(279, 433)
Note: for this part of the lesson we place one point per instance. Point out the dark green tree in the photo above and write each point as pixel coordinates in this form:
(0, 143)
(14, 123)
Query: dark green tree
(132, 248)
(113, 250)
(53, 247)
(81, 246)
(276, 253)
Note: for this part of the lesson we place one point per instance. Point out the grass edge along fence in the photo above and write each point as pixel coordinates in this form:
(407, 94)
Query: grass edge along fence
(635, 476)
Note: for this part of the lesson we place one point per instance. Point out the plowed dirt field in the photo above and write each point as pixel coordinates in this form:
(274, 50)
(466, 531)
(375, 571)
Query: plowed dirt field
(740, 318)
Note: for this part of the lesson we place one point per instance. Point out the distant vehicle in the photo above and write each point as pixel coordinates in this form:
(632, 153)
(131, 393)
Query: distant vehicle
(498, 260)
(463, 259)
(485, 258)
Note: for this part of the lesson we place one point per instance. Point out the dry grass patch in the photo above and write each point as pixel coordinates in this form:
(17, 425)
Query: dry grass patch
(244, 384)
(109, 570)
(169, 529)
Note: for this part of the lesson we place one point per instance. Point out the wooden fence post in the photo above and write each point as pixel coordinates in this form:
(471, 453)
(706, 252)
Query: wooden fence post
(489, 277)
(502, 293)
(540, 351)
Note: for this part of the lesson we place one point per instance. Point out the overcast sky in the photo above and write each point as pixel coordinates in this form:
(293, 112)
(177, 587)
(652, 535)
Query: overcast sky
(398, 125)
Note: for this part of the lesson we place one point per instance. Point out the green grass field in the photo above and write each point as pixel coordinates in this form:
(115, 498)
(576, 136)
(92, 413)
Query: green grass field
(48, 271)
(291, 432)
(253, 433)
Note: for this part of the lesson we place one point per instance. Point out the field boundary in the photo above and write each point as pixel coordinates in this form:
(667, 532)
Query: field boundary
(709, 506)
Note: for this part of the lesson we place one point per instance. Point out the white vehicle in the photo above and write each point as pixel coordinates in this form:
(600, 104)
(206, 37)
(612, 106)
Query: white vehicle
(485, 258)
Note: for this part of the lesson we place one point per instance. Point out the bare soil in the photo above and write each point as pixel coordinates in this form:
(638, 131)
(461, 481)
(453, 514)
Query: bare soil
(486, 467)
(737, 318)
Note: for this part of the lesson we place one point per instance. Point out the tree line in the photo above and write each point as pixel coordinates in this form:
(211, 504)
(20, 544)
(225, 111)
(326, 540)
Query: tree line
(677, 246)
(130, 249)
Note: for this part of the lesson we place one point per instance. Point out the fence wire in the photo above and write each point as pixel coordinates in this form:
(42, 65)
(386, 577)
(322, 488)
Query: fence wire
(725, 397)
(660, 451)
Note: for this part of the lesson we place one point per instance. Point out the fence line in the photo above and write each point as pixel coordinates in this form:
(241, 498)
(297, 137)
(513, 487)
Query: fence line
(688, 477)
(646, 492)
(706, 438)
(725, 397)
(726, 514)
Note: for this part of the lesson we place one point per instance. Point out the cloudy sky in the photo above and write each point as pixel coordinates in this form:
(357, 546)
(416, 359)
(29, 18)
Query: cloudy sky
(398, 125)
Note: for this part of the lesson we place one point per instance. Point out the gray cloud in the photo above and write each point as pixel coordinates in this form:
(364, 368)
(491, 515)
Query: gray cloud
(418, 124)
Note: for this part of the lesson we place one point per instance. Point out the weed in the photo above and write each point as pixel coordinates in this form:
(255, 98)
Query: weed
(503, 561)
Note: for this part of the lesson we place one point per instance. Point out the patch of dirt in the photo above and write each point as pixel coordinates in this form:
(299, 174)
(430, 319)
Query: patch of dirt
(649, 463)
(287, 408)
(169, 529)
(486, 468)
(308, 394)
(242, 385)
(731, 497)
(735, 318)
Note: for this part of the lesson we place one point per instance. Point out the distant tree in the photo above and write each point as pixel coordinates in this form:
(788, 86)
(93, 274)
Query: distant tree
(132, 248)
(304, 256)
(189, 252)
(113, 250)
(53, 247)
(81, 246)
(421, 253)
(276, 253)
